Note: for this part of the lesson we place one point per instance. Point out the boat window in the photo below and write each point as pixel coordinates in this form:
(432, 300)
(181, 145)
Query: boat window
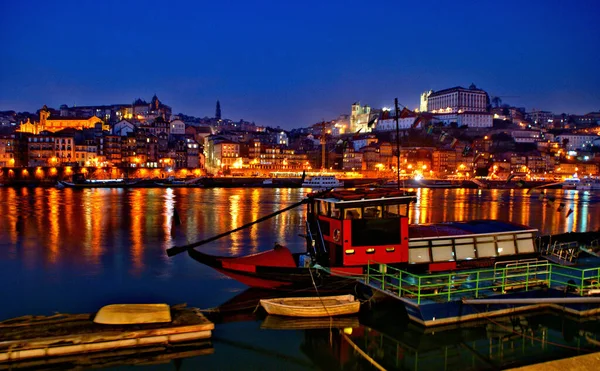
(375, 232)
(323, 208)
(335, 212)
(353, 213)
(394, 211)
(372, 212)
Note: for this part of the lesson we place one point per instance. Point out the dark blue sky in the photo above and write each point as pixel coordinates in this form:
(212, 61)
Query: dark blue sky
(295, 63)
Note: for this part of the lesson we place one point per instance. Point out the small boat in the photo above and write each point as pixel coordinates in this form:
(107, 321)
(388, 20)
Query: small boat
(588, 184)
(571, 183)
(322, 182)
(314, 306)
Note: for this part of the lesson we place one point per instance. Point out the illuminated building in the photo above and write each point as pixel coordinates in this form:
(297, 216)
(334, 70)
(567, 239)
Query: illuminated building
(464, 106)
(53, 125)
(360, 118)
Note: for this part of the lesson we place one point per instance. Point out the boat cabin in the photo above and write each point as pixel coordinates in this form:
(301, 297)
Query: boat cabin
(350, 228)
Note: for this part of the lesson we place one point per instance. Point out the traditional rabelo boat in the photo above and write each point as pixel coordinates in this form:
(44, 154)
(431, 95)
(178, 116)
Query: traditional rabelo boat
(314, 306)
(349, 229)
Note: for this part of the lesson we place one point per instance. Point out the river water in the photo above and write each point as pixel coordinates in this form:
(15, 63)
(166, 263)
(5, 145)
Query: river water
(73, 251)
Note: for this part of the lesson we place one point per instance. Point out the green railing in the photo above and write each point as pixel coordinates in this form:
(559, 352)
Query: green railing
(515, 276)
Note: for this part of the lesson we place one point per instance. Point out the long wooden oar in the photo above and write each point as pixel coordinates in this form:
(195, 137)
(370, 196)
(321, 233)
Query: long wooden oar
(172, 251)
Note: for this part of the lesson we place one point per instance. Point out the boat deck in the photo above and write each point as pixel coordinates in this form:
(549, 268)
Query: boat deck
(433, 299)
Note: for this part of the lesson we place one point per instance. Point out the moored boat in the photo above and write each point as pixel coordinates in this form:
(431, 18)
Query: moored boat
(316, 306)
(588, 184)
(348, 229)
(322, 182)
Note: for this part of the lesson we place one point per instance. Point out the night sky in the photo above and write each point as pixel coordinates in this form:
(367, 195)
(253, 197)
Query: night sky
(294, 63)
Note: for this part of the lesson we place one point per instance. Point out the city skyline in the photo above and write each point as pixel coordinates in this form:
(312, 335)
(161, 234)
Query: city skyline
(291, 66)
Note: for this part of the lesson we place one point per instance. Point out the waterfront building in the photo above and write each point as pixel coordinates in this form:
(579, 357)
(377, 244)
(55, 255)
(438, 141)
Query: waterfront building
(444, 162)
(86, 153)
(352, 160)
(109, 147)
(573, 142)
(221, 153)
(466, 107)
(40, 149)
(193, 154)
(8, 147)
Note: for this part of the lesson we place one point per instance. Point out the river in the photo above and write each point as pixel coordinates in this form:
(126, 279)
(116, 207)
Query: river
(73, 251)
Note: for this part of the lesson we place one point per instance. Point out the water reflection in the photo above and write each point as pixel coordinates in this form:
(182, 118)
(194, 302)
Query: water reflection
(492, 344)
(55, 225)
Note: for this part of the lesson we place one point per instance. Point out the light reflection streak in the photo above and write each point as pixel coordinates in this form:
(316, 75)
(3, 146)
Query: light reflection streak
(137, 202)
(54, 228)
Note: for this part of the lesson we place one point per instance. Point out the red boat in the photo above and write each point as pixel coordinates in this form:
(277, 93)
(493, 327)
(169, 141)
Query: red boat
(348, 229)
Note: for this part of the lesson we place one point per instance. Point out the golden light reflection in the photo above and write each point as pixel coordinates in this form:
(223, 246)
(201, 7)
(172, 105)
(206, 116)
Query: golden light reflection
(138, 202)
(54, 227)
(234, 221)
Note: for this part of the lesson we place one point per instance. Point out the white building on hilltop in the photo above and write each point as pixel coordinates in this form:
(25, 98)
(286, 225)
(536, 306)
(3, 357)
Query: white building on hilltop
(464, 106)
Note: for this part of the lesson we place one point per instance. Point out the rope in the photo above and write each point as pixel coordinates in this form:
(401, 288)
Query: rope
(362, 353)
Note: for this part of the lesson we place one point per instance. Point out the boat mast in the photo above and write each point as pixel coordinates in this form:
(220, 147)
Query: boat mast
(397, 142)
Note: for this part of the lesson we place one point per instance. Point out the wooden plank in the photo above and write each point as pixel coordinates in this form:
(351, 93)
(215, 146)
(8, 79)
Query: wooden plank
(61, 350)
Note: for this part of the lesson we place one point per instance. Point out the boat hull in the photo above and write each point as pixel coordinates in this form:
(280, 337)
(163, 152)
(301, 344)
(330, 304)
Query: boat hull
(325, 306)
(274, 269)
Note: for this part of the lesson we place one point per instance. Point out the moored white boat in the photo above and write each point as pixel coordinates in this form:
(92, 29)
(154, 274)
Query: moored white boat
(317, 306)
(588, 184)
(322, 182)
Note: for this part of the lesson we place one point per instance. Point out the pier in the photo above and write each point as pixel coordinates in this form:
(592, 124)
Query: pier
(440, 299)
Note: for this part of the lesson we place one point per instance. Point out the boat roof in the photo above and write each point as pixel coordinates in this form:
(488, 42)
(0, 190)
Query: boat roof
(454, 229)
(362, 195)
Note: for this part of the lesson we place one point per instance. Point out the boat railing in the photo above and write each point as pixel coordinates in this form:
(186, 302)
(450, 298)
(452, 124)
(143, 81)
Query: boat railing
(564, 251)
(482, 282)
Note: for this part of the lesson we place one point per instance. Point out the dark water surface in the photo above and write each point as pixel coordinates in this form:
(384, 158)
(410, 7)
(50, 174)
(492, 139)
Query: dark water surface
(73, 251)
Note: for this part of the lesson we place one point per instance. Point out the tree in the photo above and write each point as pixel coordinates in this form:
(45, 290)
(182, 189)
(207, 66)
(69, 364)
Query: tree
(497, 101)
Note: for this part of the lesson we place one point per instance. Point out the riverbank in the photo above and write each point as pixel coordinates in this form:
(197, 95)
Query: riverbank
(255, 182)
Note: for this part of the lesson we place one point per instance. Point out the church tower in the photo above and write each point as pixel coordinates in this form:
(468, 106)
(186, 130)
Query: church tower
(218, 111)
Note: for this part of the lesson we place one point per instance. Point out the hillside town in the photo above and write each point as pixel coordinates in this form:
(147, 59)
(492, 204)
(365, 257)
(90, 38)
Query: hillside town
(455, 133)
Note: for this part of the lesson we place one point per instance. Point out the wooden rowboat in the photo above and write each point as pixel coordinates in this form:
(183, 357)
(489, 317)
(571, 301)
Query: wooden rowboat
(316, 306)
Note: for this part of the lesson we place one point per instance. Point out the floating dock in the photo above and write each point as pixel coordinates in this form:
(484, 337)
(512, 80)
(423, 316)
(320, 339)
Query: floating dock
(441, 299)
(40, 337)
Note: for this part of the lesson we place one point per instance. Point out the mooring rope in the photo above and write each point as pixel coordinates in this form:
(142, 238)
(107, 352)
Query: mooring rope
(361, 352)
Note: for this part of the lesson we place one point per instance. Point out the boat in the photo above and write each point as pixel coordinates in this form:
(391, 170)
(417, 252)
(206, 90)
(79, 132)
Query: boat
(171, 182)
(348, 229)
(79, 181)
(97, 183)
(315, 306)
(588, 184)
(322, 182)
(571, 183)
